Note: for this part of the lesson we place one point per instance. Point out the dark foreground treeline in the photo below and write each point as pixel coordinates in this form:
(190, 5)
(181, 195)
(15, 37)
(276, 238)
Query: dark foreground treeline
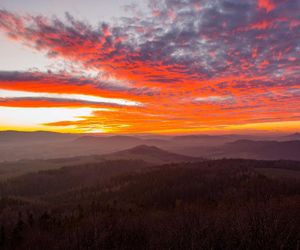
(224, 204)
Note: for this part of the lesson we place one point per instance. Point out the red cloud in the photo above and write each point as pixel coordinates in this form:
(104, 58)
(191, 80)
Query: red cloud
(268, 5)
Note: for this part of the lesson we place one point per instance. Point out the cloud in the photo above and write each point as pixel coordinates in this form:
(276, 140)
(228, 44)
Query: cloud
(214, 99)
(63, 78)
(268, 5)
(64, 83)
(199, 63)
(88, 99)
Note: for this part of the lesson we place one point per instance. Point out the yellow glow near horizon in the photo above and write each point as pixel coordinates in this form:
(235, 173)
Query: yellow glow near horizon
(30, 119)
(282, 126)
(263, 127)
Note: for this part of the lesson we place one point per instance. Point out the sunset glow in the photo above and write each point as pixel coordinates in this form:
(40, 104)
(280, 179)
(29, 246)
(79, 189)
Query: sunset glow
(166, 67)
(30, 119)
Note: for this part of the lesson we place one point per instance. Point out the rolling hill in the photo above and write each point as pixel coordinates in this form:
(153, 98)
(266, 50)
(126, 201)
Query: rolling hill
(267, 150)
(150, 154)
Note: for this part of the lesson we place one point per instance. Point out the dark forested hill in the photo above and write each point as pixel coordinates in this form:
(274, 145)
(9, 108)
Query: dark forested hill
(129, 204)
(60, 180)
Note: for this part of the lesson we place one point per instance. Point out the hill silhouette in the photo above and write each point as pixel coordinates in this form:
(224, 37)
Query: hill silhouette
(150, 154)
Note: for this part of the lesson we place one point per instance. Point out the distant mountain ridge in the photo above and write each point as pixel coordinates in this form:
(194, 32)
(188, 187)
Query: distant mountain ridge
(20, 136)
(15, 145)
(150, 154)
(294, 136)
(267, 150)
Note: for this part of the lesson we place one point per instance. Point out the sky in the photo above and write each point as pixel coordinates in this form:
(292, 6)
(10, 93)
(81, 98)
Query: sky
(168, 66)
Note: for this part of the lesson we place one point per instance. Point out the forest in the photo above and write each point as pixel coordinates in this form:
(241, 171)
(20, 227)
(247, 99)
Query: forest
(131, 204)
